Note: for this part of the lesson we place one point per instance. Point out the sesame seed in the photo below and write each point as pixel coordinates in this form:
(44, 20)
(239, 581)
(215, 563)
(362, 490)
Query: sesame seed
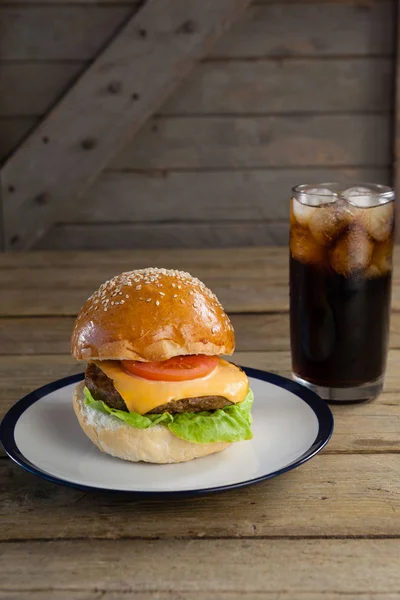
(175, 296)
(157, 302)
(179, 287)
(126, 295)
(173, 285)
(138, 287)
(161, 293)
(182, 300)
(191, 292)
(148, 300)
(140, 298)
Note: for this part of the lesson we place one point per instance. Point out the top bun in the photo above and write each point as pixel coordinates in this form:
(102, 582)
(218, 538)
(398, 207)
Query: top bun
(151, 315)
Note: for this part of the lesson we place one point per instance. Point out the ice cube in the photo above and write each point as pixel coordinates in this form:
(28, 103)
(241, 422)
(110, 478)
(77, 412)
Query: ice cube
(381, 262)
(328, 222)
(305, 249)
(302, 213)
(360, 196)
(317, 196)
(352, 252)
(378, 221)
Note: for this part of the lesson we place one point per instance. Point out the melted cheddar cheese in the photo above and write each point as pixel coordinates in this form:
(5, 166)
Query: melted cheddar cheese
(142, 395)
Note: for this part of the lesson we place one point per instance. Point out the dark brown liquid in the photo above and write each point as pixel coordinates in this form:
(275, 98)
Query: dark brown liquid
(339, 326)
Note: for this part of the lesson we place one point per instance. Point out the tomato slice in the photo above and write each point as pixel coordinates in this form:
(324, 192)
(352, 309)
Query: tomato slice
(178, 368)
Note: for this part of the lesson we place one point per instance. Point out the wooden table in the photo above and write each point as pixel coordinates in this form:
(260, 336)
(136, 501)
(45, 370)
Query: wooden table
(328, 530)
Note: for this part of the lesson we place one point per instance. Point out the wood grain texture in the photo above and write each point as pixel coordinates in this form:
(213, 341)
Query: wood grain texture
(31, 507)
(342, 566)
(369, 428)
(30, 89)
(43, 32)
(285, 86)
(77, 236)
(116, 95)
(226, 87)
(284, 595)
(238, 195)
(51, 335)
(245, 280)
(95, 595)
(58, 32)
(295, 141)
(297, 29)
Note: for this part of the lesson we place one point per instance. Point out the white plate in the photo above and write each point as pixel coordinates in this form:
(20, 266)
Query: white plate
(290, 425)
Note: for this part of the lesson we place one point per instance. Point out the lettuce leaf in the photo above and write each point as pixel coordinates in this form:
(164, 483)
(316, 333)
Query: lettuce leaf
(229, 424)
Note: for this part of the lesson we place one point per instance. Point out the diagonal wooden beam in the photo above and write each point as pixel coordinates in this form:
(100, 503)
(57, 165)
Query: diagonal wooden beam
(123, 87)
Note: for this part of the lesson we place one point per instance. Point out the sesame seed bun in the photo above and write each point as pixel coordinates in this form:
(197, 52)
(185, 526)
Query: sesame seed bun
(155, 445)
(151, 315)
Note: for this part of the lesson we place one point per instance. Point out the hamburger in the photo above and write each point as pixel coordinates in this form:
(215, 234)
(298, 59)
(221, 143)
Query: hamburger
(156, 388)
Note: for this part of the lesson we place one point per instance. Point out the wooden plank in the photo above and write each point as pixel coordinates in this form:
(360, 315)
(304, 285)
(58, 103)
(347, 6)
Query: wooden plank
(117, 94)
(285, 86)
(287, 141)
(32, 507)
(297, 29)
(246, 280)
(363, 429)
(43, 32)
(95, 236)
(28, 89)
(51, 335)
(238, 195)
(226, 87)
(249, 262)
(94, 595)
(12, 131)
(215, 196)
(340, 566)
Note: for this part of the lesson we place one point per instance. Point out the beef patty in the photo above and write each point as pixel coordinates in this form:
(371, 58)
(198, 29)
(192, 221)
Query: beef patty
(102, 388)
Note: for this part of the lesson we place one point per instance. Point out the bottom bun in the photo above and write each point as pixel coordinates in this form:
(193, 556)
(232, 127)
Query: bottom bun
(155, 445)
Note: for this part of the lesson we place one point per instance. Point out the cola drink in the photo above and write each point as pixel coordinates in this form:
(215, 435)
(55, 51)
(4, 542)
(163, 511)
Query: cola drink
(341, 243)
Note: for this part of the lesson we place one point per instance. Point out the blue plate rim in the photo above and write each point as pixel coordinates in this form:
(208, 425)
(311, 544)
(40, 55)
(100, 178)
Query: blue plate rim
(318, 406)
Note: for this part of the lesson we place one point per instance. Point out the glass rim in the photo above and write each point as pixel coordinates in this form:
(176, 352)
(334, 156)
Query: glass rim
(381, 192)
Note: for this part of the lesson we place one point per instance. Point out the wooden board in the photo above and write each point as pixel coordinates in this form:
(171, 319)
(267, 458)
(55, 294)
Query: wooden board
(333, 29)
(28, 89)
(238, 195)
(62, 288)
(209, 566)
(249, 262)
(297, 29)
(228, 142)
(59, 32)
(116, 95)
(164, 235)
(51, 335)
(285, 86)
(32, 507)
(155, 595)
(227, 87)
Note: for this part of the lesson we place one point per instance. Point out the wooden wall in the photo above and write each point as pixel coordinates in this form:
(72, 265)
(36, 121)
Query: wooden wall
(295, 91)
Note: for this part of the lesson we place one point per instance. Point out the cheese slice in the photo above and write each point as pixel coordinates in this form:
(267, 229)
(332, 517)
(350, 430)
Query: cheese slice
(142, 395)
